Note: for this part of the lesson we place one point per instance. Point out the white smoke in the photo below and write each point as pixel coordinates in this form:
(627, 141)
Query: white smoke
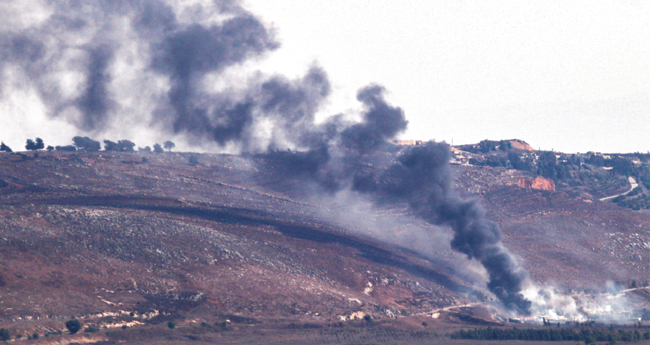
(611, 305)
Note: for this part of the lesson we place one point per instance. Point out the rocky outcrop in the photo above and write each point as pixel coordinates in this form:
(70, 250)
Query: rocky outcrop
(536, 183)
(520, 145)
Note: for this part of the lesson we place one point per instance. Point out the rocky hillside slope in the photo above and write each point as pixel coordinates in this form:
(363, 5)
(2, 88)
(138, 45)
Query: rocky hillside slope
(130, 238)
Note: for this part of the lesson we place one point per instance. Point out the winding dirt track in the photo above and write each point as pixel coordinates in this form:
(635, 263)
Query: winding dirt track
(633, 185)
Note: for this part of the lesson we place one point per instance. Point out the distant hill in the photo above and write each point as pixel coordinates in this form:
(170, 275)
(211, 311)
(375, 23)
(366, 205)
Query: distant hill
(486, 146)
(140, 239)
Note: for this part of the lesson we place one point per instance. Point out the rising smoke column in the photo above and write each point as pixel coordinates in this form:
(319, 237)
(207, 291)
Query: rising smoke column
(333, 171)
(95, 102)
(92, 42)
(422, 178)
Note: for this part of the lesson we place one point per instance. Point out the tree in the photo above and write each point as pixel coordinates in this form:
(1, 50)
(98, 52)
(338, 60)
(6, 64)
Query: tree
(110, 145)
(50, 148)
(119, 146)
(517, 162)
(546, 165)
(5, 148)
(144, 149)
(126, 145)
(169, 145)
(157, 148)
(86, 144)
(193, 160)
(171, 324)
(596, 160)
(4, 334)
(73, 326)
(33, 146)
(66, 148)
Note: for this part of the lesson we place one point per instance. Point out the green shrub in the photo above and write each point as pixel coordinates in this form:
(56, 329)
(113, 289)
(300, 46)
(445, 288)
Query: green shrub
(4, 334)
(73, 326)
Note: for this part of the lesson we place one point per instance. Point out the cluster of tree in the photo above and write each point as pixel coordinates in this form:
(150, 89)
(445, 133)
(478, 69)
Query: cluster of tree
(119, 146)
(629, 201)
(35, 145)
(548, 167)
(486, 146)
(128, 146)
(86, 144)
(520, 163)
(595, 160)
(62, 148)
(589, 336)
(622, 166)
(492, 161)
(5, 336)
(73, 326)
(90, 145)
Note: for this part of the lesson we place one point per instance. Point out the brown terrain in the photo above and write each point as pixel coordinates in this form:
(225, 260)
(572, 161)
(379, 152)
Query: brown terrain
(536, 183)
(233, 251)
(520, 145)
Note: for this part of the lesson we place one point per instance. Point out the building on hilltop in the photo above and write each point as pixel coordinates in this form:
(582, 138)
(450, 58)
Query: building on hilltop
(409, 142)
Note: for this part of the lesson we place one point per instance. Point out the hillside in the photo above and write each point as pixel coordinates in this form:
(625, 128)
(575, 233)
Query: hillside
(139, 239)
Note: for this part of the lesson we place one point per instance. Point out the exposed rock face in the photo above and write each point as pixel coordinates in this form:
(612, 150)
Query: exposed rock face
(521, 145)
(537, 183)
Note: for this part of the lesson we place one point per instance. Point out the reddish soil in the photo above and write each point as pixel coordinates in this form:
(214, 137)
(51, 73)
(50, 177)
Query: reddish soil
(142, 239)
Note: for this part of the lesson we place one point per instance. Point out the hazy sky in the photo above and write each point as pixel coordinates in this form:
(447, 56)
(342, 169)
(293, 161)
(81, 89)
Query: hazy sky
(571, 76)
(566, 75)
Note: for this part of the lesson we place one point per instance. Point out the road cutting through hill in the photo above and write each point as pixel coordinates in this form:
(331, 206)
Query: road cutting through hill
(633, 185)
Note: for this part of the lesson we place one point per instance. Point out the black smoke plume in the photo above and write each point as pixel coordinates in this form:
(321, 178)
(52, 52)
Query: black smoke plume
(381, 122)
(172, 52)
(182, 45)
(95, 102)
(422, 178)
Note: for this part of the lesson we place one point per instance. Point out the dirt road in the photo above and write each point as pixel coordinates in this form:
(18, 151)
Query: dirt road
(633, 185)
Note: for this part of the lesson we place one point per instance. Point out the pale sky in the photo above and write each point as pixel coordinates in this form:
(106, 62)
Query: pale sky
(571, 76)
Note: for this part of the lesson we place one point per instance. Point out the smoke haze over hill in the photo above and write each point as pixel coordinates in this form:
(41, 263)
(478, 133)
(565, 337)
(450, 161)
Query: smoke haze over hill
(102, 64)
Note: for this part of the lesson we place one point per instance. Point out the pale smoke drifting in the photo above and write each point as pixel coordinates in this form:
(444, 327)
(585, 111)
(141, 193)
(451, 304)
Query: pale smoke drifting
(76, 55)
(610, 306)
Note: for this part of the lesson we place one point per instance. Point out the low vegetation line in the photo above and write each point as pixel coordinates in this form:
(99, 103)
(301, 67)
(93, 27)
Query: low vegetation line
(553, 334)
